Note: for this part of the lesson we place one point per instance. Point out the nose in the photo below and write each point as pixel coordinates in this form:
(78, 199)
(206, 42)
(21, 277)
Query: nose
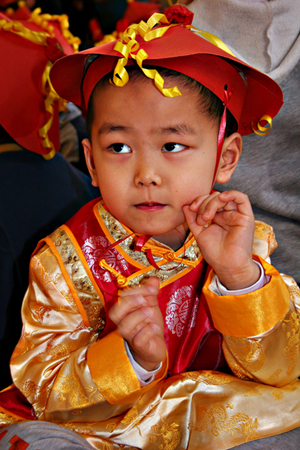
(146, 173)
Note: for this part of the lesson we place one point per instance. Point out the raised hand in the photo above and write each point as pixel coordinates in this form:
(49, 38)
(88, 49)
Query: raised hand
(226, 244)
(140, 323)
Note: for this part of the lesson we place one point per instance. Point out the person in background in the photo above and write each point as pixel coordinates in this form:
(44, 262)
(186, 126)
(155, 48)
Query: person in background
(39, 189)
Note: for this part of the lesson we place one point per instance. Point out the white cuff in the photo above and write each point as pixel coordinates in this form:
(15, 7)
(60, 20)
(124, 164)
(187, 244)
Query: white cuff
(144, 376)
(217, 287)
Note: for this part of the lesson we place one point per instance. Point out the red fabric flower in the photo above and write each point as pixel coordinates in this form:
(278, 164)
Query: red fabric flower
(122, 25)
(179, 14)
(53, 50)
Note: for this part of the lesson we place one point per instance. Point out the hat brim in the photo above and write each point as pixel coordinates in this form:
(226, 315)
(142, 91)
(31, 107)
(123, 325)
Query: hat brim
(252, 95)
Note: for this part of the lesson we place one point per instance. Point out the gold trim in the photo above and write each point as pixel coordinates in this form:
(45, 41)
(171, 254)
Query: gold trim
(91, 299)
(114, 231)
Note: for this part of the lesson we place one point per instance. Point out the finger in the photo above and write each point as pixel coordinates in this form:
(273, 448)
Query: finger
(145, 341)
(240, 199)
(125, 306)
(153, 284)
(194, 206)
(145, 288)
(134, 322)
(211, 206)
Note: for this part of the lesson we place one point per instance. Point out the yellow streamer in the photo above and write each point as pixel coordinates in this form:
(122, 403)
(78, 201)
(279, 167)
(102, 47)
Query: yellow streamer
(212, 38)
(51, 97)
(129, 45)
(43, 21)
(263, 129)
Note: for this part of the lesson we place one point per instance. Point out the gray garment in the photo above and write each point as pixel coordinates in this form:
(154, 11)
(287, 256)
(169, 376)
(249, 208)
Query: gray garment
(49, 436)
(42, 436)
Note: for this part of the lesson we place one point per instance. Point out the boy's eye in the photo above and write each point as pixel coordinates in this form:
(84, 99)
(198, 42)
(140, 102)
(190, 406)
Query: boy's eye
(120, 148)
(172, 147)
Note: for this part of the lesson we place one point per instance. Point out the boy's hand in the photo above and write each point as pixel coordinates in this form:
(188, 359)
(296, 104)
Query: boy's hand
(226, 244)
(140, 323)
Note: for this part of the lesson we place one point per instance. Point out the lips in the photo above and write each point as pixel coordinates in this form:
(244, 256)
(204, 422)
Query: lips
(150, 206)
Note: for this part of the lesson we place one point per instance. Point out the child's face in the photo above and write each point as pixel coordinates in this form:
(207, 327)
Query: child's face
(150, 155)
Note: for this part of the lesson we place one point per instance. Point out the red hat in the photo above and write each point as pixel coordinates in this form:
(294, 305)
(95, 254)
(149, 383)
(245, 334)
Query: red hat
(29, 105)
(167, 41)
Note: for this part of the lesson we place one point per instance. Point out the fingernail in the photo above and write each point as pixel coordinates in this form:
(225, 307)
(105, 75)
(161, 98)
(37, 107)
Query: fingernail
(154, 326)
(146, 311)
(152, 289)
(140, 299)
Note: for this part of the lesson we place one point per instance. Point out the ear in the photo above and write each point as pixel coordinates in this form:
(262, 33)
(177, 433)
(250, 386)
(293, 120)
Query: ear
(231, 152)
(89, 158)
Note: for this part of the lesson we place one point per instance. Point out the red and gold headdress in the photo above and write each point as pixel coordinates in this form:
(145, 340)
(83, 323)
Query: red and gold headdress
(169, 40)
(29, 45)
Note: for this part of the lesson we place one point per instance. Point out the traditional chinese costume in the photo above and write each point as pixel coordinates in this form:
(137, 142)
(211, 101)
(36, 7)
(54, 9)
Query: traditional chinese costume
(217, 388)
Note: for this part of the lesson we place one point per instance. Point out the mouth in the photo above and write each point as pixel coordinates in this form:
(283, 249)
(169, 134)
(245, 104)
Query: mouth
(150, 206)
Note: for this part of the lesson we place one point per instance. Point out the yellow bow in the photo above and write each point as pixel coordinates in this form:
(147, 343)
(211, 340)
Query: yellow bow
(129, 46)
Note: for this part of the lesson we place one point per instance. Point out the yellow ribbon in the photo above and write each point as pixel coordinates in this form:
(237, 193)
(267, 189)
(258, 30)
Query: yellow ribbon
(43, 21)
(37, 37)
(212, 38)
(51, 97)
(263, 129)
(129, 45)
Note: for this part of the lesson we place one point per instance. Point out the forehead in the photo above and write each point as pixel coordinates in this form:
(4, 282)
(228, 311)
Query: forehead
(140, 96)
(139, 110)
(141, 88)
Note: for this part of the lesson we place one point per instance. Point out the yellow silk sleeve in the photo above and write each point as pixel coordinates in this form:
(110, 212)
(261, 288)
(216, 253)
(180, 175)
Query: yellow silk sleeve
(261, 330)
(112, 371)
(50, 363)
(249, 314)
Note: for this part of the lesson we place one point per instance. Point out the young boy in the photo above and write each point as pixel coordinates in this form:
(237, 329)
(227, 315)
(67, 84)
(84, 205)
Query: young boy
(142, 306)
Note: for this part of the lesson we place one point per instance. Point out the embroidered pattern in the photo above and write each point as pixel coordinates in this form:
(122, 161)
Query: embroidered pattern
(209, 377)
(219, 421)
(118, 232)
(93, 249)
(69, 386)
(292, 350)
(85, 290)
(178, 308)
(168, 433)
(248, 352)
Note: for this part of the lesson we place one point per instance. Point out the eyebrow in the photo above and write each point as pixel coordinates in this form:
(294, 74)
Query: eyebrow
(175, 129)
(178, 129)
(108, 127)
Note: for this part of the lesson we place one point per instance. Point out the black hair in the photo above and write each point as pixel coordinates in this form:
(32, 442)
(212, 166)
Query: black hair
(209, 103)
